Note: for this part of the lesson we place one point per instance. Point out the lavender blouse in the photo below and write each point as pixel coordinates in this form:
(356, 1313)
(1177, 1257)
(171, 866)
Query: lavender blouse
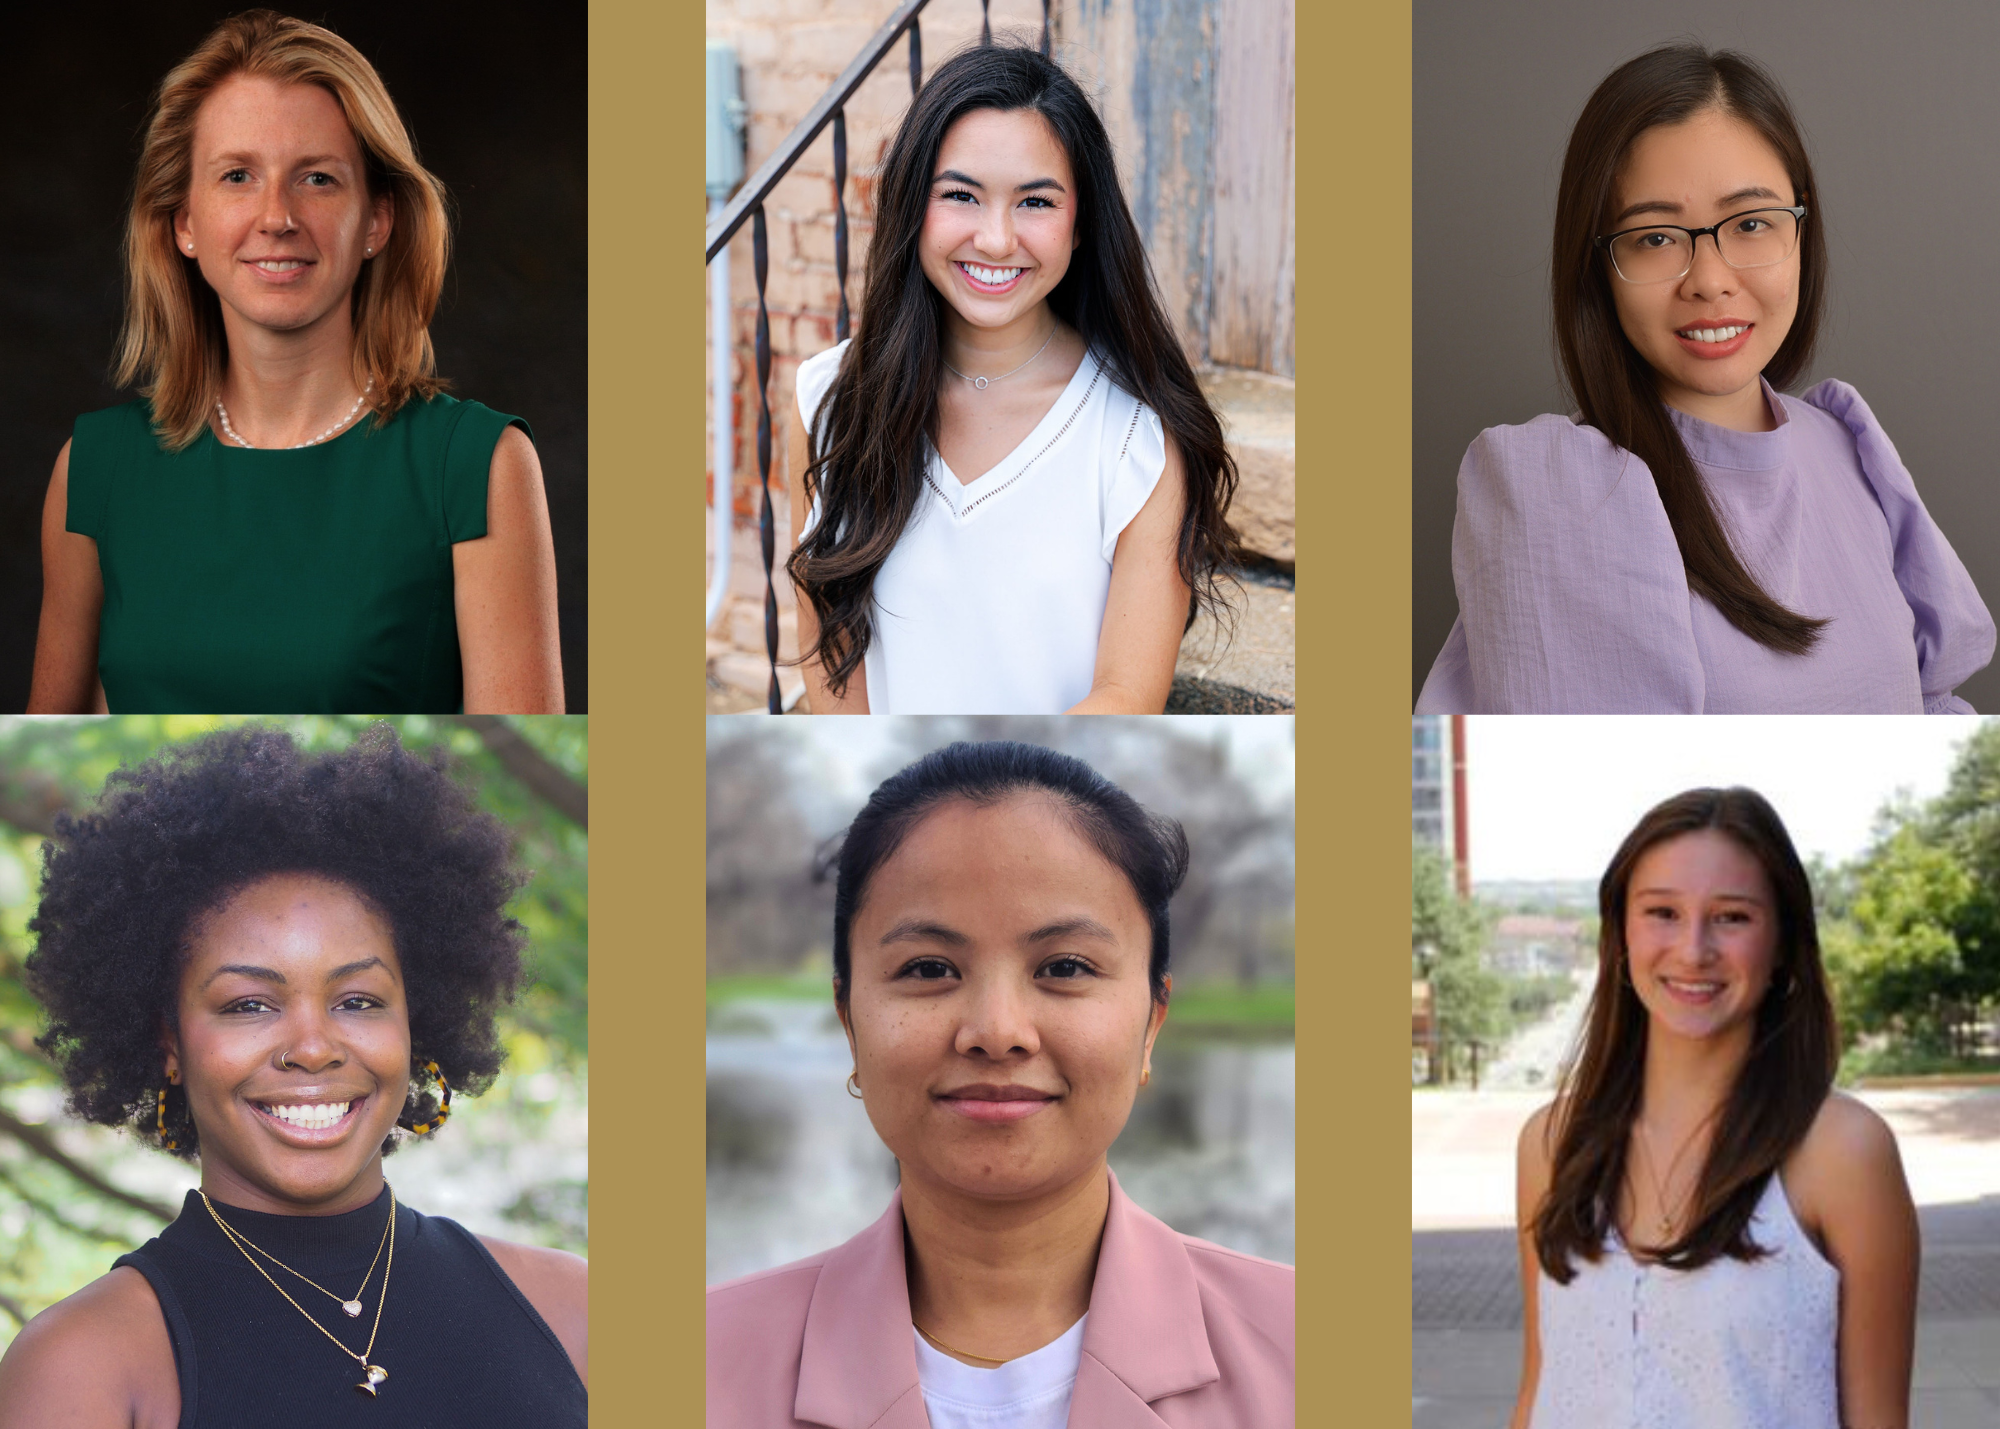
(1572, 598)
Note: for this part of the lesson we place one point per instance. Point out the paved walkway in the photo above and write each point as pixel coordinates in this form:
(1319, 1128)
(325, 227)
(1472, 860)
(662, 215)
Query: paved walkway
(1465, 1296)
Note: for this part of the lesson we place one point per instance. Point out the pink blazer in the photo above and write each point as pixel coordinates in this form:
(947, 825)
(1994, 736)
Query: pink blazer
(1182, 1335)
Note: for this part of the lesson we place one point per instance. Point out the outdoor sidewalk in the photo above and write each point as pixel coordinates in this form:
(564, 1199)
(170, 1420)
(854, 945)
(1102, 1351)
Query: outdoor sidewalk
(1465, 1296)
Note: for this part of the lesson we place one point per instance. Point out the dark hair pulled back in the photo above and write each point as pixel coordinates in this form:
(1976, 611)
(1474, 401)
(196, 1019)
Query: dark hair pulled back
(1615, 388)
(866, 452)
(1151, 851)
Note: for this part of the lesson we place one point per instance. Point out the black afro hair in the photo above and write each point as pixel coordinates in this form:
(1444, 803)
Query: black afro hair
(172, 838)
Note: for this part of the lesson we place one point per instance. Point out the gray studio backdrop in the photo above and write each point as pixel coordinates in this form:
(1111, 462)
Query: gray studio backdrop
(1901, 112)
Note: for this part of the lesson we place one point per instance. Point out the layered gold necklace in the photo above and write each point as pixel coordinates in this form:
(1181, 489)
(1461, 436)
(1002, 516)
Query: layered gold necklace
(373, 1374)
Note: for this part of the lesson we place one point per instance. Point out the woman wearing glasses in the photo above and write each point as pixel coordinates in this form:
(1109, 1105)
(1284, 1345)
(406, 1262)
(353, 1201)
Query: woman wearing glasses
(1694, 540)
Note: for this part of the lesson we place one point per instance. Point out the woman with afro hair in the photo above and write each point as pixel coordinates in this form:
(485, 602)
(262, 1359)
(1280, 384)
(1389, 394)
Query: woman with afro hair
(280, 964)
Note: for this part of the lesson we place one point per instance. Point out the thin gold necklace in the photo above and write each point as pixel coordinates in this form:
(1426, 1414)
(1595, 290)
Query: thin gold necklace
(372, 1374)
(1668, 1215)
(953, 1348)
(353, 1307)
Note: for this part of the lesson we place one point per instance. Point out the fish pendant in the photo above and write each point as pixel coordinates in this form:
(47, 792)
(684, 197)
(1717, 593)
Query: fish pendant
(352, 1307)
(376, 1374)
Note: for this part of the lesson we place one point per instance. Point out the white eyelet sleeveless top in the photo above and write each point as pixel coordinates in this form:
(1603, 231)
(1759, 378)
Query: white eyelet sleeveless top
(992, 600)
(1733, 1345)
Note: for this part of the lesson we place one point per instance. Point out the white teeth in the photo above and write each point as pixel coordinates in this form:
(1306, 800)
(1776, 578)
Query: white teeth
(995, 276)
(310, 1117)
(281, 265)
(1715, 334)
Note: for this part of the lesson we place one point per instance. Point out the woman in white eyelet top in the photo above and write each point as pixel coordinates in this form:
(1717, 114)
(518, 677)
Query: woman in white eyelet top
(1710, 1236)
(1628, 1342)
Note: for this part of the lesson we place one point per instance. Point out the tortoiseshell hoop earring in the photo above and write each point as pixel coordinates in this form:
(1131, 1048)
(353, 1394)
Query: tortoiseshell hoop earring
(161, 1123)
(424, 1128)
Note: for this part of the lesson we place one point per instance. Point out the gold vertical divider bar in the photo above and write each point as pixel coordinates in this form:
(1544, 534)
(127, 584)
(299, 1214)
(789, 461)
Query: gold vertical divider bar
(647, 417)
(1352, 175)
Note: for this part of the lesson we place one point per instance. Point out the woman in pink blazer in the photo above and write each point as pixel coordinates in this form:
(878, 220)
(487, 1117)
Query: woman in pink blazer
(1000, 966)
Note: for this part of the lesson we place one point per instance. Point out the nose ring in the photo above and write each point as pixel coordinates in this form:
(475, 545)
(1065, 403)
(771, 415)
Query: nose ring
(285, 1061)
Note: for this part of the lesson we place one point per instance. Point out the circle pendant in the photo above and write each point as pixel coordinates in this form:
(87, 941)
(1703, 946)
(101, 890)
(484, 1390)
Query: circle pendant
(980, 383)
(352, 1307)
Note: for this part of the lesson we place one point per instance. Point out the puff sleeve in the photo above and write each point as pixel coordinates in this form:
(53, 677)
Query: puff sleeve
(1954, 630)
(1571, 593)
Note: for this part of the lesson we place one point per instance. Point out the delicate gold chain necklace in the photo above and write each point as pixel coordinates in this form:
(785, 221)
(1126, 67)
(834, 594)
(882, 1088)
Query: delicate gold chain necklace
(373, 1374)
(353, 1307)
(953, 1348)
(1668, 1215)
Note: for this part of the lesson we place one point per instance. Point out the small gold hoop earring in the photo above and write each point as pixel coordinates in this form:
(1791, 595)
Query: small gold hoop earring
(424, 1128)
(854, 1086)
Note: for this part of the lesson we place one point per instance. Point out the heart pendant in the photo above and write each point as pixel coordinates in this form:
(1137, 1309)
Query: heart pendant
(352, 1307)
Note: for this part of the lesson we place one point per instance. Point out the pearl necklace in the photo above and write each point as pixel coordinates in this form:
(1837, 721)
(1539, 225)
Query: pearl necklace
(352, 412)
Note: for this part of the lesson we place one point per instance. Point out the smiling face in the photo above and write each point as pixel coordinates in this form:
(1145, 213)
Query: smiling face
(999, 1008)
(293, 1044)
(1001, 222)
(1701, 935)
(278, 214)
(1708, 335)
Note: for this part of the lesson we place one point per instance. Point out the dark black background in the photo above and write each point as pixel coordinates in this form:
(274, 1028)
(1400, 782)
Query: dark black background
(493, 94)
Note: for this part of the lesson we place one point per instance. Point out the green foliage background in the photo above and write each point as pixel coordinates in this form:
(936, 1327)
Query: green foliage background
(73, 1198)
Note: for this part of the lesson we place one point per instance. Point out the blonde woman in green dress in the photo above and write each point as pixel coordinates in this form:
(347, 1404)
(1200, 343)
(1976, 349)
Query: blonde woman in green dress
(293, 518)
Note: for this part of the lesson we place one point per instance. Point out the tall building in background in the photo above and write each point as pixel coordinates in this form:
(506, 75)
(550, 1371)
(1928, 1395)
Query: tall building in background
(1437, 791)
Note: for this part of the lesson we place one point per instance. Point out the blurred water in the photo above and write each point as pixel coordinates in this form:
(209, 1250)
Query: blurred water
(795, 1167)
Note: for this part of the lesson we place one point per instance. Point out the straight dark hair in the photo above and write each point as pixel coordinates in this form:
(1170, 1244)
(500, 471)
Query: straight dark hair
(1151, 851)
(1779, 1090)
(866, 452)
(1614, 387)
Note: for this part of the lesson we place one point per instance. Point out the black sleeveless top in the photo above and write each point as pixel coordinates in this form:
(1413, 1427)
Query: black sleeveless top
(461, 1344)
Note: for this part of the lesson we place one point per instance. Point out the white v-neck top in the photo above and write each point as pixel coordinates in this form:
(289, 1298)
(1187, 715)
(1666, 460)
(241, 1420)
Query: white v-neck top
(992, 600)
(1031, 1392)
(1733, 1345)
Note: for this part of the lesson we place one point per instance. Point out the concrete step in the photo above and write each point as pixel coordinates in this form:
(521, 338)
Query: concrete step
(1259, 415)
(1250, 670)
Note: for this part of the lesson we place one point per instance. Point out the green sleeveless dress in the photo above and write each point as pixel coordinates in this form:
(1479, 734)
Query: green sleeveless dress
(314, 581)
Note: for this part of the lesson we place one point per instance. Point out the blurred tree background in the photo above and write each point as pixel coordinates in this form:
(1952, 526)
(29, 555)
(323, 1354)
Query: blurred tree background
(511, 1163)
(775, 806)
(1911, 929)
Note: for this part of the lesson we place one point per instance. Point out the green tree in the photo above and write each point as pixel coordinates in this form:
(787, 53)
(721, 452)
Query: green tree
(1896, 960)
(1447, 948)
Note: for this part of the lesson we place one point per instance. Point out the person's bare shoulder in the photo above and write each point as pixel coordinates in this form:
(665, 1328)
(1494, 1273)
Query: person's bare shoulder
(1848, 1158)
(98, 1359)
(557, 1284)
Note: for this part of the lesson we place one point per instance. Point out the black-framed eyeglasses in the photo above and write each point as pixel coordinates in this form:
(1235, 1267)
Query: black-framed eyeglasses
(1663, 252)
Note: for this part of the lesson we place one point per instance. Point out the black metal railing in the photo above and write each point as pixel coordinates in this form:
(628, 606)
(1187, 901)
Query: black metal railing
(748, 202)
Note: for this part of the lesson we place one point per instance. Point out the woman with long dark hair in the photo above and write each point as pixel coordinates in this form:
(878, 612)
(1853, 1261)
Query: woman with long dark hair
(1000, 966)
(1709, 1233)
(1693, 540)
(1011, 493)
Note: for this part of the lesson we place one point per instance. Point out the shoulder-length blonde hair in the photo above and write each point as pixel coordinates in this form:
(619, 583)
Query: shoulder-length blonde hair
(173, 342)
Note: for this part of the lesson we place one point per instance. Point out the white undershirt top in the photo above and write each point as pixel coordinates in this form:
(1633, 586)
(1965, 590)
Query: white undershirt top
(992, 600)
(1031, 1392)
(1733, 1345)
